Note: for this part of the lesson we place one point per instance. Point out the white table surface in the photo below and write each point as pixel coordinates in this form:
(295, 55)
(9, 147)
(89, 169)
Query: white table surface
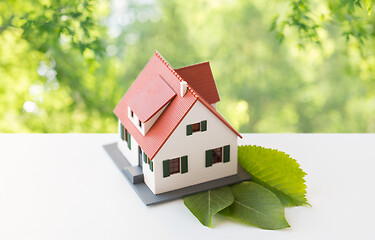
(64, 186)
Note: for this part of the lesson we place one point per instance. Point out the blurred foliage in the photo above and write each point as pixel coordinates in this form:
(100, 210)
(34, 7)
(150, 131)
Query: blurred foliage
(280, 66)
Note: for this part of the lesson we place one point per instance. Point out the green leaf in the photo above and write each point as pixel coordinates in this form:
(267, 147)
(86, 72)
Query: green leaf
(274, 22)
(368, 6)
(256, 205)
(276, 171)
(206, 204)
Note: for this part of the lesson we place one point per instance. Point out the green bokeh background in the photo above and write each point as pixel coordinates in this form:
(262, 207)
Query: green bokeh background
(64, 65)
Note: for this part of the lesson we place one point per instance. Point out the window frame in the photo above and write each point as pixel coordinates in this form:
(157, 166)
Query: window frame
(196, 127)
(175, 165)
(211, 155)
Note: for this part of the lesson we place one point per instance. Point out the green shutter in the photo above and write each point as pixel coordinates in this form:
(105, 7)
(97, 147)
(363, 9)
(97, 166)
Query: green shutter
(122, 131)
(209, 154)
(144, 157)
(189, 130)
(226, 153)
(203, 126)
(129, 140)
(166, 168)
(151, 166)
(184, 164)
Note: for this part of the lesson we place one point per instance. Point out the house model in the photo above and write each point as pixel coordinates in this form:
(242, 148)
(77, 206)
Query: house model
(170, 130)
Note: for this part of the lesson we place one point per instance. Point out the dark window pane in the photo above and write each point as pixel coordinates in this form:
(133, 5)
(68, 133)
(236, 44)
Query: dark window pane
(217, 154)
(126, 134)
(174, 165)
(196, 127)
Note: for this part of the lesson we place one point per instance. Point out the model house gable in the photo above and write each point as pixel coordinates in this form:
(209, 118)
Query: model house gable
(201, 156)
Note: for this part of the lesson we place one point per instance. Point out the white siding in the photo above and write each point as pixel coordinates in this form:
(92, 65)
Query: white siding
(132, 156)
(148, 176)
(195, 146)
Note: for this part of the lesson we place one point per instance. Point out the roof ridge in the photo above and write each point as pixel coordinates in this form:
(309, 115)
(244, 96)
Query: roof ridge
(193, 65)
(176, 74)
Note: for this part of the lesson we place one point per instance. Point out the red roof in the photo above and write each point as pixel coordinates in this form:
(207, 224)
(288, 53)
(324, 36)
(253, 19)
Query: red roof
(199, 77)
(151, 98)
(158, 69)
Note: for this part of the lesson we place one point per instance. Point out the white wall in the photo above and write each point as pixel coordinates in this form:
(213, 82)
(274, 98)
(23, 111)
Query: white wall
(195, 146)
(148, 176)
(132, 156)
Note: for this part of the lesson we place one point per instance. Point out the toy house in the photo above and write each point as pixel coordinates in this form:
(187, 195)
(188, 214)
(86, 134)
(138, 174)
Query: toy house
(170, 131)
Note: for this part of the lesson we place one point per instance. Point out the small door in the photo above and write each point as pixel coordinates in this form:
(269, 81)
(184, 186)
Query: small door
(140, 156)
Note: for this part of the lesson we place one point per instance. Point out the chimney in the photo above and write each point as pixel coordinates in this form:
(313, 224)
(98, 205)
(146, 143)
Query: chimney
(183, 88)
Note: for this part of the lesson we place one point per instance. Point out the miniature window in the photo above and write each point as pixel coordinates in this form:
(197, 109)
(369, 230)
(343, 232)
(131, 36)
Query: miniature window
(147, 160)
(140, 123)
(217, 155)
(131, 113)
(196, 127)
(175, 165)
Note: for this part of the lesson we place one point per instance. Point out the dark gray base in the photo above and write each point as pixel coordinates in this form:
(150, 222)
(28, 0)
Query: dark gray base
(149, 198)
(134, 174)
